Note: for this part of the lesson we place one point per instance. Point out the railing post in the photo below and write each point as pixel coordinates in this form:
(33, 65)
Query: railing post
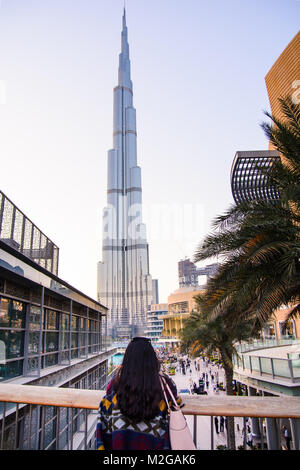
(72, 429)
(244, 432)
(261, 434)
(272, 434)
(259, 360)
(37, 427)
(272, 366)
(16, 425)
(85, 428)
(57, 427)
(3, 425)
(42, 422)
(211, 433)
(291, 370)
(195, 430)
(30, 426)
(295, 430)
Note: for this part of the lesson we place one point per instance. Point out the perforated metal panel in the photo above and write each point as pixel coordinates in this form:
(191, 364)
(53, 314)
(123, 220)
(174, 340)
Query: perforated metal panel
(17, 231)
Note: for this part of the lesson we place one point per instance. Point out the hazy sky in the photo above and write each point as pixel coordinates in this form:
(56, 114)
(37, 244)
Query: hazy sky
(198, 70)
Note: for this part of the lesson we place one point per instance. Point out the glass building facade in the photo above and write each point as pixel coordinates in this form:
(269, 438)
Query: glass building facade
(50, 334)
(43, 324)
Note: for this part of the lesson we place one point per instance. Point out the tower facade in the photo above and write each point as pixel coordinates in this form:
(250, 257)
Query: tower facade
(283, 79)
(124, 282)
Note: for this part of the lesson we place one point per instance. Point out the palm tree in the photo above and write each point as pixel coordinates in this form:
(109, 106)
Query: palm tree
(259, 241)
(202, 333)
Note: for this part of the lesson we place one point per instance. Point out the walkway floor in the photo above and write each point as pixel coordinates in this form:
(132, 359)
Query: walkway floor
(204, 422)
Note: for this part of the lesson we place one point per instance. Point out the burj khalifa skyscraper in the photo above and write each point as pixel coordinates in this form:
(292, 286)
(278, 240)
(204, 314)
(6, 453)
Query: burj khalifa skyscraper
(124, 283)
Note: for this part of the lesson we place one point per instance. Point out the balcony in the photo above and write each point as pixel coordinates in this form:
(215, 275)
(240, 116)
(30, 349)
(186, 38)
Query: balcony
(40, 418)
(272, 361)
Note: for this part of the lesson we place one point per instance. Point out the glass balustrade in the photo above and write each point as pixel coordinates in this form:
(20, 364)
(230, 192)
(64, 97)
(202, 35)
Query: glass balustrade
(281, 368)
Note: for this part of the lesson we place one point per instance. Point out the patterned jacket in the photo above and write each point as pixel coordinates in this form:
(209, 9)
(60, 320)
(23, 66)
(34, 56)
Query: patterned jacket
(117, 432)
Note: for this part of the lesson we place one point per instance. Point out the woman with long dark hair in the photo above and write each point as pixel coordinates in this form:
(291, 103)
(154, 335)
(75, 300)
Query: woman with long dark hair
(133, 413)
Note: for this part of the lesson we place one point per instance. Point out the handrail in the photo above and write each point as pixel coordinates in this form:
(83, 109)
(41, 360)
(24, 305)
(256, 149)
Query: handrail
(203, 405)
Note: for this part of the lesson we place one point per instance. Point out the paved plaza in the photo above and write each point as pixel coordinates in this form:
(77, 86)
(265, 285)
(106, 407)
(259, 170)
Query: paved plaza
(204, 422)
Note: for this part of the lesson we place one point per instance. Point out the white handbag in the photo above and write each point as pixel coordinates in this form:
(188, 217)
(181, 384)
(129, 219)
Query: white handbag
(180, 435)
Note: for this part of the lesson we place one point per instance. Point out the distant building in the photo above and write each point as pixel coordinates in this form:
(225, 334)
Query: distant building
(188, 272)
(155, 294)
(181, 304)
(154, 324)
(124, 280)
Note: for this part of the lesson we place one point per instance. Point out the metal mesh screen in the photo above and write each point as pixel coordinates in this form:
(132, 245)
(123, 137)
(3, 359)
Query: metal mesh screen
(17, 231)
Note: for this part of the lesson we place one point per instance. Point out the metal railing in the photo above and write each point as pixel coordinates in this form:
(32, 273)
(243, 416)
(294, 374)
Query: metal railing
(266, 343)
(276, 367)
(34, 417)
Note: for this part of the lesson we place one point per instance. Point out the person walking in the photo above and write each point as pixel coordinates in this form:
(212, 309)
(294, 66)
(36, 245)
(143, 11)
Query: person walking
(222, 424)
(133, 414)
(287, 437)
(217, 424)
(250, 439)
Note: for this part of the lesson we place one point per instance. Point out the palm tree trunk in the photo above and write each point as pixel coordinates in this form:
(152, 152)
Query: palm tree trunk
(230, 419)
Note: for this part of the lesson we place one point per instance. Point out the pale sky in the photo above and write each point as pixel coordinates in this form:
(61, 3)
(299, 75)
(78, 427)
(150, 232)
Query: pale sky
(198, 70)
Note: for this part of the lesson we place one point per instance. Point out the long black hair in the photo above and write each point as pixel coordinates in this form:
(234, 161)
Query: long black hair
(137, 384)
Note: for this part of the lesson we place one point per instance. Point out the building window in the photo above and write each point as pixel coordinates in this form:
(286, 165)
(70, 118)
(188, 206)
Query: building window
(12, 332)
(287, 331)
(269, 331)
(64, 338)
(74, 336)
(50, 338)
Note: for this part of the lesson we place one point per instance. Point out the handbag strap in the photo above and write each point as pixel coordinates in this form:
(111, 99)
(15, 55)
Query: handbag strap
(165, 386)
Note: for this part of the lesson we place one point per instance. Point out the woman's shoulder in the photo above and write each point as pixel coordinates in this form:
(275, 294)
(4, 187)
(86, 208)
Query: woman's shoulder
(109, 400)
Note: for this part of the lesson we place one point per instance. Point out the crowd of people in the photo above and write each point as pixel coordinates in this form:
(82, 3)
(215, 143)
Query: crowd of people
(207, 372)
(135, 395)
(203, 377)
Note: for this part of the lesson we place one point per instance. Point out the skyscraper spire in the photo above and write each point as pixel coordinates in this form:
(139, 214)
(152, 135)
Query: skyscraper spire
(124, 16)
(124, 61)
(124, 282)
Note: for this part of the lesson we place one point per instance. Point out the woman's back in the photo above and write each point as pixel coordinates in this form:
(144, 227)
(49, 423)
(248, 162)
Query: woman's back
(116, 431)
(133, 413)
